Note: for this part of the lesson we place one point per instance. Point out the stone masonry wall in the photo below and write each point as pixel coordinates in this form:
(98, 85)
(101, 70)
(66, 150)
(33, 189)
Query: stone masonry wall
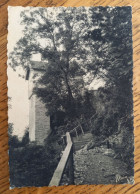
(42, 122)
(32, 118)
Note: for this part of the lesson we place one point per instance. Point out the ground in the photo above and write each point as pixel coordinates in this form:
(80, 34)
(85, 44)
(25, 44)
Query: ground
(98, 166)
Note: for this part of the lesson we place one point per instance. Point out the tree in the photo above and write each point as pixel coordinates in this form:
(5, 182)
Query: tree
(25, 138)
(117, 64)
(60, 40)
(13, 139)
(115, 34)
(78, 45)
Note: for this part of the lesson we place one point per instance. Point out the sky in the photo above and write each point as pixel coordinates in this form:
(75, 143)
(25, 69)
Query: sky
(18, 114)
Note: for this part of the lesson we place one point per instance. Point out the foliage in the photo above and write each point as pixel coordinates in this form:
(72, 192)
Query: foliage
(25, 138)
(31, 164)
(53, 147)
(29, 167)
(115, 69)
(127, 149)
(104, 125)
(77, 49)
(13, 139)
(66, 55)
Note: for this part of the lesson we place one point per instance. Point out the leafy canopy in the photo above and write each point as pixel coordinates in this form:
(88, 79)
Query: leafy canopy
(78, 45)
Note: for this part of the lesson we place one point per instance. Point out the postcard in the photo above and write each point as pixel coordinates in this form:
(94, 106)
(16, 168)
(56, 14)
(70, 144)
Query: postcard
(70, 112)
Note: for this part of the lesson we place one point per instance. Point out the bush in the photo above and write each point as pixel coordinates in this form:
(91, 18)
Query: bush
(29, 167)
(34, 165)
(104, 125)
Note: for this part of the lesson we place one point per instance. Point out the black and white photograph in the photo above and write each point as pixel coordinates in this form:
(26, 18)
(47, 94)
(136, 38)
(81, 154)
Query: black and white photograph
(70, 96)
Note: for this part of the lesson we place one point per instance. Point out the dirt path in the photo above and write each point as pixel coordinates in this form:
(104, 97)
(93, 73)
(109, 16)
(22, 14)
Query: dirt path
(98, 166)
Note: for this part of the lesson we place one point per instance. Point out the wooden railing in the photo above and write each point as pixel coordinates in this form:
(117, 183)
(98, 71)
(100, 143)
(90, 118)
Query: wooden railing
(79, 126)
(65, 161)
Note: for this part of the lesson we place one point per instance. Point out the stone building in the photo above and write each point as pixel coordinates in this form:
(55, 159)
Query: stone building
(39, 123)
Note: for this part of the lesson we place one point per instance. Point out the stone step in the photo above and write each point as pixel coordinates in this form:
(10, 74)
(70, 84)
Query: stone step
(79, 146)
(85, 136)
(81, 141)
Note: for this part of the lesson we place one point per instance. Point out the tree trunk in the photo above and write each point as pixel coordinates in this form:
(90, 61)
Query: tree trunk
(70, 96)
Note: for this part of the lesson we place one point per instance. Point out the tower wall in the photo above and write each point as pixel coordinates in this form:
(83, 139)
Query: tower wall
(39, 122)
(32, 118)
(42, 122)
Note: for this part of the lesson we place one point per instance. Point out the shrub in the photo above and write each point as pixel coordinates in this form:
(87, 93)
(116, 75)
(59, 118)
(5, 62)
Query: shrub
(34, 165)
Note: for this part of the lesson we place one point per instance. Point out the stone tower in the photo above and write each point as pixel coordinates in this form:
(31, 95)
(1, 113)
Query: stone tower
(39, 123)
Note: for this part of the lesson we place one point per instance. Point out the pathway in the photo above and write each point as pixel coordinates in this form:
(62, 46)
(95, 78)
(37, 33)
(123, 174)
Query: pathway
(98, 166)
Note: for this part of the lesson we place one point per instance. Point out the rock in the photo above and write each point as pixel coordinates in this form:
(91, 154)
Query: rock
(109, 152)
(90, 145)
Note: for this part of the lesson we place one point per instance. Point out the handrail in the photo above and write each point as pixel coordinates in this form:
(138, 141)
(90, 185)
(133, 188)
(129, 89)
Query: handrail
(55, 181)
(74, 129)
